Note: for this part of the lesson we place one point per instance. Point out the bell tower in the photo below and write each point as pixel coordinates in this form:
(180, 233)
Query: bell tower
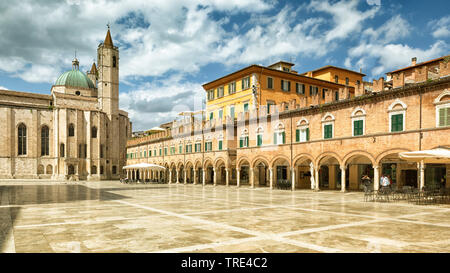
(108, 75)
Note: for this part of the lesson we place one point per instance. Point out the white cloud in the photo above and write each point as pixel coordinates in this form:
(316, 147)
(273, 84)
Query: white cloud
(160, 101)
(3, 88)
(373, 2)
(392, 56)
(441, 27)
(346, 17)
(167, 35)
(394, 29)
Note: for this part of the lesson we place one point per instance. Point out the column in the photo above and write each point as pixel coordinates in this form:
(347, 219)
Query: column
(343, 189)
(177, 178)
(170, 176)
(271, 178)
(376, 178)
(195, 177)
(215, 176)
(128, 174)
(203, 177)
(227, 178)
(293, 179)
(185, 177)
(252, 178)
(238, 173)
(422, 175)
(312, 178)
(316, 179)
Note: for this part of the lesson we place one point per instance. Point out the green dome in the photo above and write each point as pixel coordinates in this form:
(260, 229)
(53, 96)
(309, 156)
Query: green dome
(75, 78)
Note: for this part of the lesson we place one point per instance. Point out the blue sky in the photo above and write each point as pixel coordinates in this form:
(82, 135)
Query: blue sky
(169, 48)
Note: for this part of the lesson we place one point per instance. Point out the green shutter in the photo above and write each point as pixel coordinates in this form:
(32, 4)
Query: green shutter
(328, 131)
(289, 86)
(307, 134)
(284, 137)
(397, 123)
(241, 142)
(444, 117)
(220, 145)
(297, 135)
(259, 143)
(282, 85)
(274, 138)
(358, 128)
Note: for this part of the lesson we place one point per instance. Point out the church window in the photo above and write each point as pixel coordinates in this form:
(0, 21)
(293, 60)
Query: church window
(94, 132)
(71, 130)
(45, 141)
(22, 139)
(114, 61)
(62, 150)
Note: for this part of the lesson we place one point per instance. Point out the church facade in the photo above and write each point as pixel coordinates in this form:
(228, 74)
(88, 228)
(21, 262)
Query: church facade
(77, 132)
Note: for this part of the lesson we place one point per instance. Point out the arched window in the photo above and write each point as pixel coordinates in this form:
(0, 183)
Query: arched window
(328, 126)
(302, 131)
(279, 136)
(442, 103)
(114, 61)
(259, 136)
(45, 145)
(22, 139)
(243, 140)
(61, 150)
(397, 116)
(94, 132)
(71, 130)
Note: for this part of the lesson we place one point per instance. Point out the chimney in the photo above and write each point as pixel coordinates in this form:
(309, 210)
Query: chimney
(413, 61)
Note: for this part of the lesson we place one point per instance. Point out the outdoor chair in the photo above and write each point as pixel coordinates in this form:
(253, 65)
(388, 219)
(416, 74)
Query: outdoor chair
(369, 194)
(383, 194)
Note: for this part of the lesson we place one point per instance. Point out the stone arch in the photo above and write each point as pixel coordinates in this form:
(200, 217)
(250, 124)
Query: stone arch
(220, 159)
(259, 159)
(40, 169)
(380, 156)
(328, 115)
(298, 157)
(302, 122)
(325, 154)
(208, 161)
(444, 94)
(180, 164)
(242, 159)
(49, 169)
(395, 103)
(351, 154)
(279, 126)
(356, 111)
(198, 163)
(279, 157)
(189, 164)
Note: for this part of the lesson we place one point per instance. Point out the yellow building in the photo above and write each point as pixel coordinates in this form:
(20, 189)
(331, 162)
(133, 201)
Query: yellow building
(275, 85)
(338, 75)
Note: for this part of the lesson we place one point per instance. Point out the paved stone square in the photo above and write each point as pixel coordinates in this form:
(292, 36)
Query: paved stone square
(107, 216)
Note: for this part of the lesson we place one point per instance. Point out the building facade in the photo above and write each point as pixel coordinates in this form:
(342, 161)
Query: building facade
(328, 143)
(76, 132)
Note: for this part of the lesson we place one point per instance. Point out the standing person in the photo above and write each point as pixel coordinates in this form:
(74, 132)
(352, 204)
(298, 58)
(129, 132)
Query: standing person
(388, 181)
(382, 180)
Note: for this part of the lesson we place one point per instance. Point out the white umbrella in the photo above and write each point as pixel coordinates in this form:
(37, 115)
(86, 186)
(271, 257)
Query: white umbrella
(438, 155)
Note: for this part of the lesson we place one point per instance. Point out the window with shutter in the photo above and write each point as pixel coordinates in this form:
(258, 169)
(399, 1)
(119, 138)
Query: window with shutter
(220, 145)
(444, 117)
(297, 135)
(259, 140)
(328, 131)
(397, 123)
(358, 127)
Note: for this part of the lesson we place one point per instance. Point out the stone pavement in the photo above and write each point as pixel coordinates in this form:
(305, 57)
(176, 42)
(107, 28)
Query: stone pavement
(49, 216)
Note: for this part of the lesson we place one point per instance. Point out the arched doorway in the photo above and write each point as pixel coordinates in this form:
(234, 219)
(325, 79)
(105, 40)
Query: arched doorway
(261, 173)
(329, 173)
(304, 172)
(359, 171)
(282, 174)
(244, 172)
